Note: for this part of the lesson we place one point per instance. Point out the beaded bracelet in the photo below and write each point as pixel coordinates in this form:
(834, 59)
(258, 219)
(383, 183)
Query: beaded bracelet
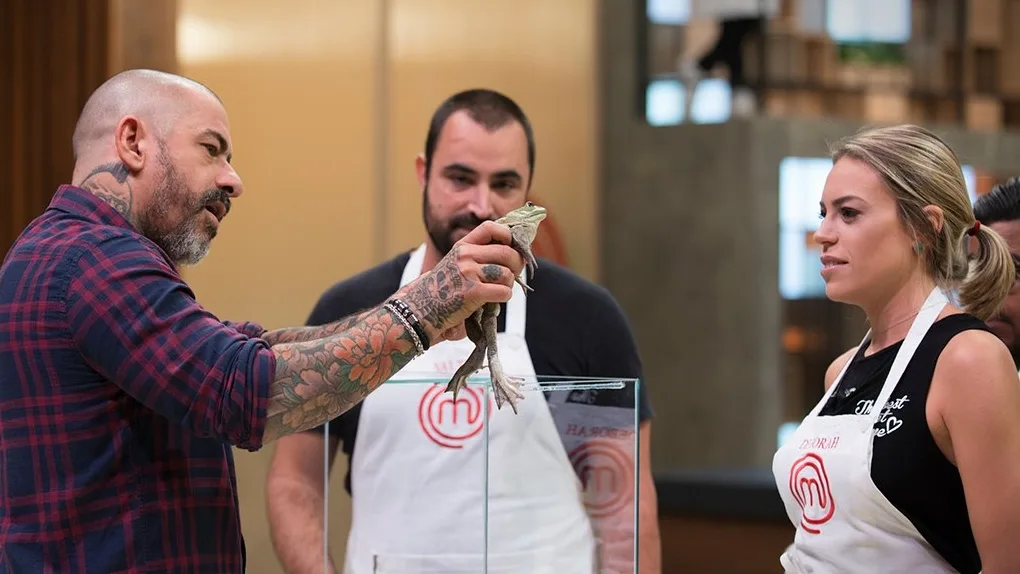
(411, 323)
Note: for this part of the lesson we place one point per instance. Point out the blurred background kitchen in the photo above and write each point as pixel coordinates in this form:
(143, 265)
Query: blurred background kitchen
(695, 209)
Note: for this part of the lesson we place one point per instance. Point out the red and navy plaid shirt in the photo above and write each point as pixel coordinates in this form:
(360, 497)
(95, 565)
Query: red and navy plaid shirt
(120, 398)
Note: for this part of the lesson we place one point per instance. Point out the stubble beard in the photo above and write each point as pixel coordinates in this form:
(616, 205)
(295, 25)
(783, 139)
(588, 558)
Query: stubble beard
(440, 233)
(186, 242)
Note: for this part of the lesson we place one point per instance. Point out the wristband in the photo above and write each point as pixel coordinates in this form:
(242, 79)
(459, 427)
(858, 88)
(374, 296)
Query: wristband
(411, 322)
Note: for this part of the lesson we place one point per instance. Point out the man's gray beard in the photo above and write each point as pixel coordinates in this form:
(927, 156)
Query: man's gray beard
(183, 244)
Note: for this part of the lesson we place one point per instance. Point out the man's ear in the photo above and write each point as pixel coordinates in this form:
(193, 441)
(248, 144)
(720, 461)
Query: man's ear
(128, 138)
(419, 168)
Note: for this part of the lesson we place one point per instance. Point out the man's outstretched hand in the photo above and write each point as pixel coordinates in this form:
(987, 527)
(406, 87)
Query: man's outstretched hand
(479, 269)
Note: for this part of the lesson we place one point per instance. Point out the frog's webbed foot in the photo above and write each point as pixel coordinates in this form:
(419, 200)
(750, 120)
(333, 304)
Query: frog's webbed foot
(475, 360)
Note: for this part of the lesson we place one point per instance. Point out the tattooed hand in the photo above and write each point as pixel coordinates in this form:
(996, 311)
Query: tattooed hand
(479, 269)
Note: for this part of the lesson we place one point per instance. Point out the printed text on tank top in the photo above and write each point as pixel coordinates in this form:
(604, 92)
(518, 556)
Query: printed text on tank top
(860, 385)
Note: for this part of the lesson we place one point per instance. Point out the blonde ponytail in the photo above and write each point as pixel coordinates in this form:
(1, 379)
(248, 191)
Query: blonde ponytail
(991, 274)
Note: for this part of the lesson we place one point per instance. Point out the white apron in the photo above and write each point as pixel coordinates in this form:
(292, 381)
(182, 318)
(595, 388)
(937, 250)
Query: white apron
(418, 473)
(844, 523)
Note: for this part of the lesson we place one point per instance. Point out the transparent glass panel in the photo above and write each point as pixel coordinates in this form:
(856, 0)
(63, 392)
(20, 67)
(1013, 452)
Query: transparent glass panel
(459, 486)
(562, 480)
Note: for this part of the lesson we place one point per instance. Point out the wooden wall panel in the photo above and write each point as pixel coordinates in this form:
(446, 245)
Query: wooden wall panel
(730, 546)
(298, 82)
(143, 35)
(55, 52)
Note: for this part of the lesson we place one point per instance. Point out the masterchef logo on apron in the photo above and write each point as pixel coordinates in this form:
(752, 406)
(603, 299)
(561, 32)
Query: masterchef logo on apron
(450, 423)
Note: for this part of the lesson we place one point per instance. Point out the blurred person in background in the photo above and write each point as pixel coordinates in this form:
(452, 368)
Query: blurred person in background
(999, 209)
(418, 499)
(121, 396)
(739, 20)
(910, 462)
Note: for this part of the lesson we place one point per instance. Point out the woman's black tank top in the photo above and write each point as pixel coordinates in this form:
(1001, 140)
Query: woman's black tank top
(907, 466)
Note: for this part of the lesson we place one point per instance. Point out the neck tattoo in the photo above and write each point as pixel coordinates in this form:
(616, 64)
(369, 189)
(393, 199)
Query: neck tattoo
(109, 183)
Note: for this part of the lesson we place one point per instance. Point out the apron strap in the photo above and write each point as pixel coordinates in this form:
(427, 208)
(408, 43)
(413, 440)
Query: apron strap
(929, 312)
(925, 318)
(516, 309)
(414, 264)
(835, 383)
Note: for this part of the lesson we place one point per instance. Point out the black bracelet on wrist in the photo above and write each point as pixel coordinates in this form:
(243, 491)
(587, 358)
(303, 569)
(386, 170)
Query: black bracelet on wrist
(411, 321)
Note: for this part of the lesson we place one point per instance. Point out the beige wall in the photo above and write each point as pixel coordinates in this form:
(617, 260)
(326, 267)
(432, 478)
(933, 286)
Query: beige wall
(300, 82)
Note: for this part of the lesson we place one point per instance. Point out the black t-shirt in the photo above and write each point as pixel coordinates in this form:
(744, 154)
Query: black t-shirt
(573, 328)
(907, 465)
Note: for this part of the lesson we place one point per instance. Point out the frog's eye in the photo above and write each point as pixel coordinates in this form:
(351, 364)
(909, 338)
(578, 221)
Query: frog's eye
(529, 204)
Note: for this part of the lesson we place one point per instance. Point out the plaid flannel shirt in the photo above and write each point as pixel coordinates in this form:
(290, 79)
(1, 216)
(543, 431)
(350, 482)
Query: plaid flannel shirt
(120, 399)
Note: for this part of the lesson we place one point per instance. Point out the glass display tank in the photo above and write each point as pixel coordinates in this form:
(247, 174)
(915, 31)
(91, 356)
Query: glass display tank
(551, 488)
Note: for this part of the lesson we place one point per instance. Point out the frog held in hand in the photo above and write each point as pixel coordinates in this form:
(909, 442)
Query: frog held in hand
(481, 325)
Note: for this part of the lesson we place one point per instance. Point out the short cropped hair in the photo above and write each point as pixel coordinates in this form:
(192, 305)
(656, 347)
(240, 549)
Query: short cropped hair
(489, 108)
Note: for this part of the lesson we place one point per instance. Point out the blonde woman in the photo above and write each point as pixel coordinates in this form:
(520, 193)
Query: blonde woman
(911, 460)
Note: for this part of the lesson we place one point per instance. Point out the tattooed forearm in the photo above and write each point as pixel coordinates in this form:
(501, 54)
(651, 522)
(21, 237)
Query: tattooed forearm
(109, 183)
(318, 380)
(439, 293)
(303, 334)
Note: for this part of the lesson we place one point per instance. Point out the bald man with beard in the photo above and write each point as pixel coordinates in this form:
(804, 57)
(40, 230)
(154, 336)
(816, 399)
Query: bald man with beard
(172, 217)
(121, 396)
